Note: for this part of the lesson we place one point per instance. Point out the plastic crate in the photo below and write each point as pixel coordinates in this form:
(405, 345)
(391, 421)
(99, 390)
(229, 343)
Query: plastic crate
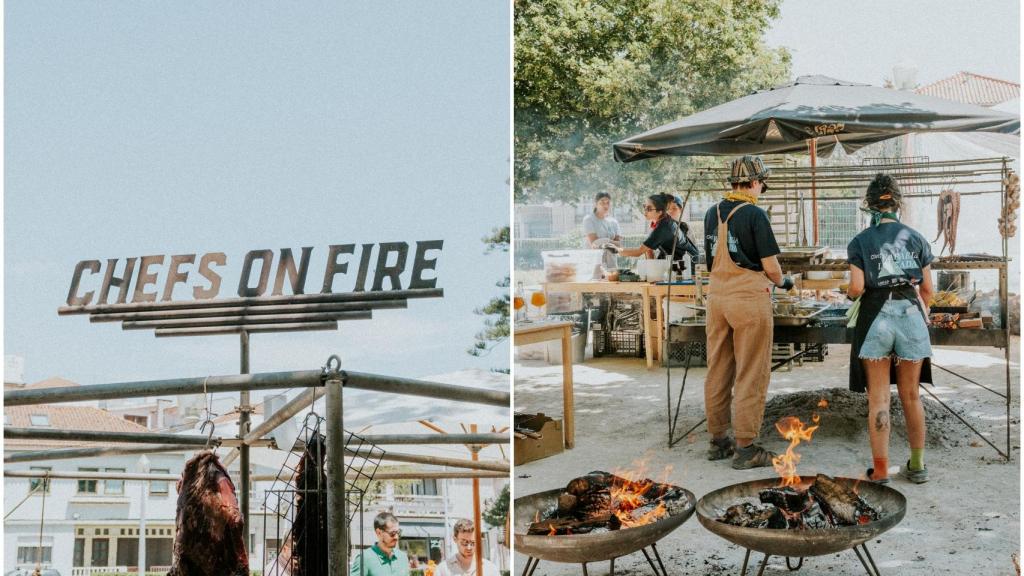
(618, 342)
(816, 355)
(677, 352)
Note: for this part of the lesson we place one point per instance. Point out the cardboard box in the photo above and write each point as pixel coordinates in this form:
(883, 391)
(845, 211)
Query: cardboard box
(550, 441)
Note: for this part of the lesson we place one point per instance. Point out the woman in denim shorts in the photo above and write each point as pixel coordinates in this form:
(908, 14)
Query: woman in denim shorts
(890, 273)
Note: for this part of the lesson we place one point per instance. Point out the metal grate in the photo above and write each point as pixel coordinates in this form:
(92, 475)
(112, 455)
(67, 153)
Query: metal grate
(295, 506)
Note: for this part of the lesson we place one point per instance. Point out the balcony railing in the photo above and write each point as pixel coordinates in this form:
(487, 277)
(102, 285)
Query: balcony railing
(90, 570)
(410, 504)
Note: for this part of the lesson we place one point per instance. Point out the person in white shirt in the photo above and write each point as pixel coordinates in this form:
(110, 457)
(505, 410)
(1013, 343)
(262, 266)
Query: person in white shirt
(464, 560)
(601, 228)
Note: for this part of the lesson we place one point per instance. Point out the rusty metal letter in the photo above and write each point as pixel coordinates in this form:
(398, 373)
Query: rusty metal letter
(175, 277)
(73, 298)
(392, 272)
(335, 267)
(243, 283)
(217, 258)
(420, 263)
(287, 266)
(364, 266)
(145, 279)
(111, 281)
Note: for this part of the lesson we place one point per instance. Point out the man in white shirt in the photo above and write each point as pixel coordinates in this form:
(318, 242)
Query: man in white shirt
(463, 563)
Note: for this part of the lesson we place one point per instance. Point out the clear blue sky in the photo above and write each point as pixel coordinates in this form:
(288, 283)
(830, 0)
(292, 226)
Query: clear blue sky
(861, 41)
(137, 128)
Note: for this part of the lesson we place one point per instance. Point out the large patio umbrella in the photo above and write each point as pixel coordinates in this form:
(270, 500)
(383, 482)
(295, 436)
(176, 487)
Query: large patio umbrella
(784, 118)
(814, 113)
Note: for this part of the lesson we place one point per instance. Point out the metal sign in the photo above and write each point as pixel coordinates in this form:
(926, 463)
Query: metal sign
(271, 291)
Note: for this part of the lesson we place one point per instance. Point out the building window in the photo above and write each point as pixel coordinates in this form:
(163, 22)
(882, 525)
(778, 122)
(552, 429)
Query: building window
(114, 487)
(33, 483)
(140, 420)
(100, 551)
(87, 486)
(39, 420)
(7, 419)
(158, 487)
(30, 554)
(426, 487)
(79, 558)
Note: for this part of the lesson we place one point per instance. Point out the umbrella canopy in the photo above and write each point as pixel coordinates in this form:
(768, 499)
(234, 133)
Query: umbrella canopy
(784, 118)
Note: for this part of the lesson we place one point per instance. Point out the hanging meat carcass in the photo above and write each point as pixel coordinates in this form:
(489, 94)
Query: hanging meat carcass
(309, 527)
(209, 539)
(949, 215)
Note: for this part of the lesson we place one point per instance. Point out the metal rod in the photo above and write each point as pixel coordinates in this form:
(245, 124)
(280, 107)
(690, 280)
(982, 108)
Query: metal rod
(965, 422)
(337, 538)
(243, 431)
(493, 465)
(291, 408)
(250, 328)
(94, 436)
(394, 439)
(70, 453)
(962, 377)
(324, 308)
(252, 382)
(259, 320)
(79, 475)
(477, 520)
(654, 548)
(256, 301)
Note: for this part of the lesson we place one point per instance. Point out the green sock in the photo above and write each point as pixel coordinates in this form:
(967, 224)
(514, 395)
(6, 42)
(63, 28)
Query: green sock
(916, 458)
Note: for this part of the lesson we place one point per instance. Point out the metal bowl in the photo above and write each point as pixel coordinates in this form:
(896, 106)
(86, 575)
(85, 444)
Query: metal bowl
(580, 548)
(800, 543)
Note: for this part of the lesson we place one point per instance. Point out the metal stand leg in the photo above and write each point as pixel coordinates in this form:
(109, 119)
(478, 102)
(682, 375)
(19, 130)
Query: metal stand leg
(869, 564)
(746, 558)
(673, 419)
(651, 562)
(657, 557)
(585, 569)
(790, 565)
(531, 565)
(612, 573)
(764, 564)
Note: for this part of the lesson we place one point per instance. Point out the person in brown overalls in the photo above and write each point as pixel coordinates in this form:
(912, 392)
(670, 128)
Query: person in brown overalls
(741, 253)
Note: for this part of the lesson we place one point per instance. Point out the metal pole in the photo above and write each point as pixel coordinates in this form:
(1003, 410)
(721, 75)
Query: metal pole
(77, 475)
(243, 431)
(251, 382)
(474, 464)
(337, 537)
(143, 468)
(476, 508)
(69, 453)
(813, 145)
(1004, 313)
(93, 436)
(291, 408)
(419, 439)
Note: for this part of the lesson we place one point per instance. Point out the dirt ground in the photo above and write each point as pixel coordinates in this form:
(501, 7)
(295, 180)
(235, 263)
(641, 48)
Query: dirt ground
(965, 520)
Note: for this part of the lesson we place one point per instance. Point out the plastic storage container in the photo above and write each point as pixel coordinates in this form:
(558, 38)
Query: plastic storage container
(572, 265)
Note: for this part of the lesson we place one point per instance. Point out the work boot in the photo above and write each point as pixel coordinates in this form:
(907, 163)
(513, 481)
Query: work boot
(752, 456)
(721, 448)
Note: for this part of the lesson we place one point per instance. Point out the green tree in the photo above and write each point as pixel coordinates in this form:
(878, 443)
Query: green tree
(497, 311)
(591, 72)
(497, 509)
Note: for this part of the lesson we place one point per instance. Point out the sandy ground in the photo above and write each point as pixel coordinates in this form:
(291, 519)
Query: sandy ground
(964, 521)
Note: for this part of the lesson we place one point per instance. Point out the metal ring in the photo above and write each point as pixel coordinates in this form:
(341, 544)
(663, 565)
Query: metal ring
(337, 363)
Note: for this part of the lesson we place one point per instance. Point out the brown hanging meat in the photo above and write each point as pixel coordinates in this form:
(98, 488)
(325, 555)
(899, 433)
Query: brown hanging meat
(949, 215)
(209, 540)
(309, 527)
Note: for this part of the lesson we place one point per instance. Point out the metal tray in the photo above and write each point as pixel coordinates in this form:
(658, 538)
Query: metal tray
(791, 320)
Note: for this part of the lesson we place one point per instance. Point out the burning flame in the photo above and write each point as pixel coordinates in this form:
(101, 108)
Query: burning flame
(553, 531)
(792, 429)
(636, 492)
(822, 403)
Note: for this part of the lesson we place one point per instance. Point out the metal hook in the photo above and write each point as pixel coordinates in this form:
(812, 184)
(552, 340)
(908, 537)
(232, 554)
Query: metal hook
(336, 360)
(209, 435)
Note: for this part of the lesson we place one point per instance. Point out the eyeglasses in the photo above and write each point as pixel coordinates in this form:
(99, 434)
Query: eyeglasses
(466, 543)
(650, 209)
(392, 533)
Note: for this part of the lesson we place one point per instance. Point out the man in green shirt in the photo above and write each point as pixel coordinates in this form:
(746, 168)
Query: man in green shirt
(383, 558)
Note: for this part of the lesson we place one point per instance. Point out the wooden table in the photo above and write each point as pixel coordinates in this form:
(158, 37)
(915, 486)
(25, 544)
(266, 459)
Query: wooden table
(534, 332)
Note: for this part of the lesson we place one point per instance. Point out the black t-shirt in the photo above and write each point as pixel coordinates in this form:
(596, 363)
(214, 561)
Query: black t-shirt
(664, 235)
(750, 235)
(890, 254)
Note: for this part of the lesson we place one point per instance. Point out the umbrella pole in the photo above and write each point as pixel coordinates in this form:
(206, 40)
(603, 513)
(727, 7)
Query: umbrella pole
(813, 145)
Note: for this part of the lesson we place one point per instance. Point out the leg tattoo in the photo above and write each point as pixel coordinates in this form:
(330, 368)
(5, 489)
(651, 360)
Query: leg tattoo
(881, 421)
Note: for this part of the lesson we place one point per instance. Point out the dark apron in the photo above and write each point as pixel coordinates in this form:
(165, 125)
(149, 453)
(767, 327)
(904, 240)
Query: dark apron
(871, 303)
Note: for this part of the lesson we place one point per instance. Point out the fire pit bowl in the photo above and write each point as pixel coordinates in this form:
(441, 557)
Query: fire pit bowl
(790, 543)
(592, 547)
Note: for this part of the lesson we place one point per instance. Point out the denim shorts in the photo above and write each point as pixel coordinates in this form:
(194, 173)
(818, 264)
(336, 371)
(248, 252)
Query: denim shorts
(900, 330)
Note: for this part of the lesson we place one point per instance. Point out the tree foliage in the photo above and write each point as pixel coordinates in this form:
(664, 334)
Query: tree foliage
(497, 509)
(497, 311)
(591, 72)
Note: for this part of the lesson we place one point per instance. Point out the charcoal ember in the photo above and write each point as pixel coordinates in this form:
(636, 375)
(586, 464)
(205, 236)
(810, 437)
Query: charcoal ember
(787, 498)
(592, 493)
(814, 519)
(844, 506)
(562, 526)
(747, 515)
